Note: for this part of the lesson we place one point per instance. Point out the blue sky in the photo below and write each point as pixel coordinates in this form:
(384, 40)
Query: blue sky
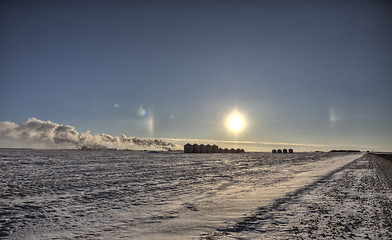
(306, 72)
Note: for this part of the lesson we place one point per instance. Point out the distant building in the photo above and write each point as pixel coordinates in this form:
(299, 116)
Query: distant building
(283, 151)
(188, 148)
(202, 148)
(196, 148)
(238, 150)
(208, 148)
(215, 148)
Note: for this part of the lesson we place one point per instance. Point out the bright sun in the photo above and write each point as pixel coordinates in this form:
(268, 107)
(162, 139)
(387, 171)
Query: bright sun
(235, 122)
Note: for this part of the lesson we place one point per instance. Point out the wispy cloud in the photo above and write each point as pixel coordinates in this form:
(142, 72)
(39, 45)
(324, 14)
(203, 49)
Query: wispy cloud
(36, 133)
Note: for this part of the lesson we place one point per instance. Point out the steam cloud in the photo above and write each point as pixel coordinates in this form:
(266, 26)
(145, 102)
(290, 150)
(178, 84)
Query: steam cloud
(46, 134)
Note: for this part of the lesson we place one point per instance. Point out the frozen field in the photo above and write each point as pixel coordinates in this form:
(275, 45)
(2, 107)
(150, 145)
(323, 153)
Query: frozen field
(354, 203)
(70, 194)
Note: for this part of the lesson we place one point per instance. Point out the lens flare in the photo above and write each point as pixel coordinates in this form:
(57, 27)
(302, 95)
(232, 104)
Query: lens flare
(141, 111)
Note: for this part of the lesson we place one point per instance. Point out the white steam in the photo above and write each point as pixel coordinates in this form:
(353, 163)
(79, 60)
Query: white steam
(35, 133)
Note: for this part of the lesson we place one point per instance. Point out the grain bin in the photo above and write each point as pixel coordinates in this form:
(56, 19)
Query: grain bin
(188, 148)
(202, 148)
(208, 148)
(196, 148)
(214, 148)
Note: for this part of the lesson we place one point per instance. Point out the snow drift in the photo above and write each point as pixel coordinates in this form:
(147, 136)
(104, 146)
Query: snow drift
(46, 134)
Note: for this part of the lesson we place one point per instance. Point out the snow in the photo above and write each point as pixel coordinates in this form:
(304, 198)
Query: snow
(67, 194)
(354, 203)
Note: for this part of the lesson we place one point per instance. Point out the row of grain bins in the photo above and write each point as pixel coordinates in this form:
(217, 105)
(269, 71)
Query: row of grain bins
(282, 151)
(195, 148)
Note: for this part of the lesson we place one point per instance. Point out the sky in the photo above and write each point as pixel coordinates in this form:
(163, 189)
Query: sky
(312, 74)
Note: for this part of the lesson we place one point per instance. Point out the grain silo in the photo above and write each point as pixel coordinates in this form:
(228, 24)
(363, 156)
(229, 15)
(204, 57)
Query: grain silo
(202, 148)
(208, 148)
(214, 148)
(188, 148)
(196, 148)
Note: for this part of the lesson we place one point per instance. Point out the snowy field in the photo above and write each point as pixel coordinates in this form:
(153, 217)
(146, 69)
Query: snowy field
(354, 203)
(70, 194)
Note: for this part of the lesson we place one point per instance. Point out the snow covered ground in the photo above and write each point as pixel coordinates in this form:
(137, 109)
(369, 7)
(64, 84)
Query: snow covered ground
(355, 203)
(69, 194)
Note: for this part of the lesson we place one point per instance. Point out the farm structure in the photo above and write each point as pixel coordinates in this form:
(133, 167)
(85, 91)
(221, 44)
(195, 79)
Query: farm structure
(195, 148)
(283, 151)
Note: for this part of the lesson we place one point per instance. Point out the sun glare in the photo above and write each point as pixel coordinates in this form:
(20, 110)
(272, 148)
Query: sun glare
(235, 122)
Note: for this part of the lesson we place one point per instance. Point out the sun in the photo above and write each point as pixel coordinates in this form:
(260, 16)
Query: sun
(235, 122)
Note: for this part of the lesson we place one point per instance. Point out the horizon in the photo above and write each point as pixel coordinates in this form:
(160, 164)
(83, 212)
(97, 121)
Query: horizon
(313, 75)
(38, 134)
